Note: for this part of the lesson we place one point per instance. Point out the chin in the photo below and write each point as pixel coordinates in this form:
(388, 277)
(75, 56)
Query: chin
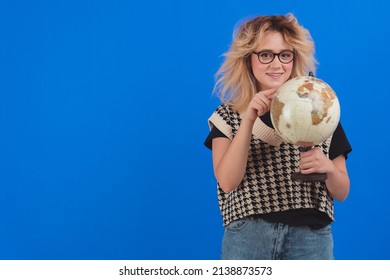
(278, 83)
(271, 84)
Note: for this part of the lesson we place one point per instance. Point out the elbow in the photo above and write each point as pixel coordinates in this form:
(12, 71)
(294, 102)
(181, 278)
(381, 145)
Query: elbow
(338, 186)
(228, 185)
(342, 194)
(341, 198)
(229, 181)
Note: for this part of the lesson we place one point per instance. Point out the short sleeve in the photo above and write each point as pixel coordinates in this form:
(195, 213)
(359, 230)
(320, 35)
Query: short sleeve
(214, 133)
(339, 144)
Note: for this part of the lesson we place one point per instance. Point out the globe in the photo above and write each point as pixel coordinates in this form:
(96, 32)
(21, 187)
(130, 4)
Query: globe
(305, 111)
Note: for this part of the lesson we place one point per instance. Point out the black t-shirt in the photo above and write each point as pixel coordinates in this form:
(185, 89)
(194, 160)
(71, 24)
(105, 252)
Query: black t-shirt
(338, 146)
(311, 217)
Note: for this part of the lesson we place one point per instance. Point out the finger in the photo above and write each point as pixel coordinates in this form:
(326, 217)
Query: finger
(262, 100)
(264, 104)
(272, 94)
(310, 152)
(308, 171)
(314, 154)
(305, 155)
(312, 170)
(269, 92)
(304, 161)
(260, 109)
(307, 167)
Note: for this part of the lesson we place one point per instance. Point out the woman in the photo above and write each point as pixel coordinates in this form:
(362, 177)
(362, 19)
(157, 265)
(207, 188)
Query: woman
(267, 215)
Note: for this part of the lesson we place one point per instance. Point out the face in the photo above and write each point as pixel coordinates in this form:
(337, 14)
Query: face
(274, 74)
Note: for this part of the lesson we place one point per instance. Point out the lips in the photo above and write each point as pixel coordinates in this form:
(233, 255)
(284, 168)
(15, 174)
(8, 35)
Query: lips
(275, 75)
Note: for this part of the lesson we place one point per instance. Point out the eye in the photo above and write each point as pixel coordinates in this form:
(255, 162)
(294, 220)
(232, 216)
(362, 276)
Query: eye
(286, 55)
(265, 55)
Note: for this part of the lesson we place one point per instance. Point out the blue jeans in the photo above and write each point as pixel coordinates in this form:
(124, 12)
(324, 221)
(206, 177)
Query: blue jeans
(254, 238)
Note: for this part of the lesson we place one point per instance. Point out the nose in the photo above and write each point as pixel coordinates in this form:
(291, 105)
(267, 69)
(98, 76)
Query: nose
(276, 62)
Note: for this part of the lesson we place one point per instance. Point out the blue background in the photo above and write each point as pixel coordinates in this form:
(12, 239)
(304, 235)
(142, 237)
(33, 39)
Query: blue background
(103, 114)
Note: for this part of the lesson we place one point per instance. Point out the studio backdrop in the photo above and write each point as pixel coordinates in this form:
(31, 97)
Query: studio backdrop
(103, 115)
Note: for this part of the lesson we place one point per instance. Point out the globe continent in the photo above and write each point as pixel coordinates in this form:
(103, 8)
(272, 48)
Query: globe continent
(305, 111)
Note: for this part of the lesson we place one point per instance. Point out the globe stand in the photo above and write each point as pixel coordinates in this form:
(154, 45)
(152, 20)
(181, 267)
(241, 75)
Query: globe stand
(313, 177)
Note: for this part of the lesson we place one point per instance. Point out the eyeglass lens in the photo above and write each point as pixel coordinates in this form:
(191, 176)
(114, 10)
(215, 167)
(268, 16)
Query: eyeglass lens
(268, 56)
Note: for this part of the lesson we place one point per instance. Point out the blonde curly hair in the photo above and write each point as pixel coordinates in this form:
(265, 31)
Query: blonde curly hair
(235, 84)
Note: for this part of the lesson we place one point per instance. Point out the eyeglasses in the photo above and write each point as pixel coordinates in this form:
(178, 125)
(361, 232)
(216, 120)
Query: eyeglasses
(266, 57)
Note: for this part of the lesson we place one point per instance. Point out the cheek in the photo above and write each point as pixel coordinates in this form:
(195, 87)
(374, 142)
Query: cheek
(258, 74)
(257, 69)
(288, 69)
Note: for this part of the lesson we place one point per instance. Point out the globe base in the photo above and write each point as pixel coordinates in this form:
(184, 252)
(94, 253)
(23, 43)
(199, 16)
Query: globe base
(313, 177)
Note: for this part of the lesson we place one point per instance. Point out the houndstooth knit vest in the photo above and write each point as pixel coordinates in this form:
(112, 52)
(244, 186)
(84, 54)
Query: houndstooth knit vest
(267, 186)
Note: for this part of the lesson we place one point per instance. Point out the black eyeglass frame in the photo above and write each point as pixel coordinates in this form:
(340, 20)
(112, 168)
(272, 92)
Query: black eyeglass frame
(274, 55)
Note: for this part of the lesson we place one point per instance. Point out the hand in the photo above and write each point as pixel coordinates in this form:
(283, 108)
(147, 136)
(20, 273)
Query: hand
(315, 161)
(260, 104)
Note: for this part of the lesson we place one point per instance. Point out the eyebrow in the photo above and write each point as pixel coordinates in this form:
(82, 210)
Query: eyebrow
(269, 50)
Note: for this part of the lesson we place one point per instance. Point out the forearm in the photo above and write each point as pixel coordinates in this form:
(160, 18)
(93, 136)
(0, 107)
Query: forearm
(338, 185)
(230, 158)
(231, 168)
(338, 182)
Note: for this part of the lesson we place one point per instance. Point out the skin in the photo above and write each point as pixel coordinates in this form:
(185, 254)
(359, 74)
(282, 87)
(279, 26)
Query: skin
(230, 156)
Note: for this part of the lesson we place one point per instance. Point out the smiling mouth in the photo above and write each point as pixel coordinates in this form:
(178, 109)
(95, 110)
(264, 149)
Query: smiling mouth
(275, 75)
